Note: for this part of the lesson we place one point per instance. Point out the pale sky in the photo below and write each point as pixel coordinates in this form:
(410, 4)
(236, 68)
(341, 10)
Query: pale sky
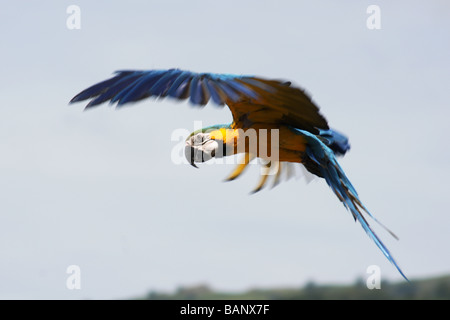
(99, 190)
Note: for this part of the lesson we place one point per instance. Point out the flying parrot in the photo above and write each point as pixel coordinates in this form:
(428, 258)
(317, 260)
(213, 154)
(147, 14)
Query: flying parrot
(257, 106)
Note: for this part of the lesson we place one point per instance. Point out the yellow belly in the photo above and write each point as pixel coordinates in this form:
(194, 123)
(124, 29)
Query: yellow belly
(264, 140)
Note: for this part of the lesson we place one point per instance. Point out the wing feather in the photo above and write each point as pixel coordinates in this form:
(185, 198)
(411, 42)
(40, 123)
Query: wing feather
(244, 95)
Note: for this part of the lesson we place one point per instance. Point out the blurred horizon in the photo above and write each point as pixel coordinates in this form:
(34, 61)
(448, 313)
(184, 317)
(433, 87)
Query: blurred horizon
(435, 288)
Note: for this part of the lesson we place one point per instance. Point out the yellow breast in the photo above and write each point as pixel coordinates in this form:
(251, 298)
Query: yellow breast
(264, 140)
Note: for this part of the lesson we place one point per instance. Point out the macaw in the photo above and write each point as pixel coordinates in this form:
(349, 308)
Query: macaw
(257, 105)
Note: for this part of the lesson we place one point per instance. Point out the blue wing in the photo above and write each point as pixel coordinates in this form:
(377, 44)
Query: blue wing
(132, 86)
(322, 158)
(244, 95)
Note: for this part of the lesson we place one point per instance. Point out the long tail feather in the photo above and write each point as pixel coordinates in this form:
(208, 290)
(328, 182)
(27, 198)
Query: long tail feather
(335, 177)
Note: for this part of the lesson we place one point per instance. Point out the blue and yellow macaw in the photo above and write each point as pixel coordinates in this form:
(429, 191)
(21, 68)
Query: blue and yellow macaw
(256, 104)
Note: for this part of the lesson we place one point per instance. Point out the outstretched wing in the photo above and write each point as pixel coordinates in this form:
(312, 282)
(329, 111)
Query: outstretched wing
(250, 99)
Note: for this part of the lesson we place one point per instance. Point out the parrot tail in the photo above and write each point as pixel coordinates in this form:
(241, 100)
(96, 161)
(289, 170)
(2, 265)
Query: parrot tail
(320, 159)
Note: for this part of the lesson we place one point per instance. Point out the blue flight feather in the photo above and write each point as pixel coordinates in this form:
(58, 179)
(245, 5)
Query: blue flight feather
(140, 88)
(96, 89)
(162, 86)
(110, 92)
(196, 91)
(177, 83)
(130, 86)
(122, 83)
(205, 91)
(182, 89)
(217, 94)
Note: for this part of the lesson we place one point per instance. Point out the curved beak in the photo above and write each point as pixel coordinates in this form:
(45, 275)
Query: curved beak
(200, 148)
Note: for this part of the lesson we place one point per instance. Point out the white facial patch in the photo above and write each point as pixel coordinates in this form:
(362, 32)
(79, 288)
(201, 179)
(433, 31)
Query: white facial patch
(200, 148)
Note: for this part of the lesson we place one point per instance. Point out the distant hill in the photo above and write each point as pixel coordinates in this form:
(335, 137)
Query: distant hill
(422, 289)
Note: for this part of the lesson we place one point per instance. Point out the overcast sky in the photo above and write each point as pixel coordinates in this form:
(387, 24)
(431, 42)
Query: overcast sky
(98, 189)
